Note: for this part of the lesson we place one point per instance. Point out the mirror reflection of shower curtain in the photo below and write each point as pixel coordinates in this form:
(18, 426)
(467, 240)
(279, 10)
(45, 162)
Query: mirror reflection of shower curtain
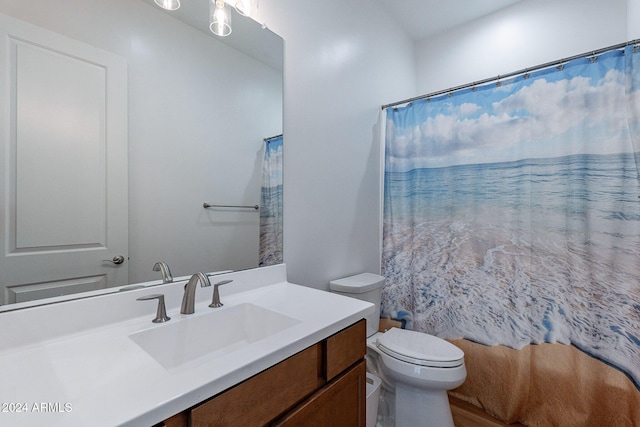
(512, 228)
(271, 203)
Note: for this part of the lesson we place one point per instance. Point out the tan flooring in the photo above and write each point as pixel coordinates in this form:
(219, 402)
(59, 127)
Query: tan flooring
(467, 415)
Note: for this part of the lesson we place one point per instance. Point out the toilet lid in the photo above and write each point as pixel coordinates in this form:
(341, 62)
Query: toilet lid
(420, 349)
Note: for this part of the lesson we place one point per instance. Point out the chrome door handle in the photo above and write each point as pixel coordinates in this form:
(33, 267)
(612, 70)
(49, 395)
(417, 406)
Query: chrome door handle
(118, 259)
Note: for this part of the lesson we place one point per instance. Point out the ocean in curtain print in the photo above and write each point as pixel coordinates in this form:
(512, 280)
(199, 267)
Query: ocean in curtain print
(270, 226)
(529, 251)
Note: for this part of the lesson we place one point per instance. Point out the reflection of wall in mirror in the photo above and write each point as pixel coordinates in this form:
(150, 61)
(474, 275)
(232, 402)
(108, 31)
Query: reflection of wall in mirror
(198, 111)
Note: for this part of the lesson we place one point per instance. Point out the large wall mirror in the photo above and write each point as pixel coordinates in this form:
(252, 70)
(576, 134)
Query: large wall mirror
(193, 109)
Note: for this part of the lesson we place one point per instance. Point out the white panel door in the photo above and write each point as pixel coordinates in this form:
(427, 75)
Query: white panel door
(63, 125)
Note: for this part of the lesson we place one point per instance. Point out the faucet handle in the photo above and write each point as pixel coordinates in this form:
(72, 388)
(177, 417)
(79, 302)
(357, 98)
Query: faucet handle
(215, 302)
(161, 314)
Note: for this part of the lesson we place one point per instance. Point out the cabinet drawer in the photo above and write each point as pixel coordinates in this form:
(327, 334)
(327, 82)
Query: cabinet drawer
(345, 348)
(342, 403)
(263, 397)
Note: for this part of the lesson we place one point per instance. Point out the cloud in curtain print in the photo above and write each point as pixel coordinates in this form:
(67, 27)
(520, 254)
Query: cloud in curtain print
(499, 126)
(276, 152)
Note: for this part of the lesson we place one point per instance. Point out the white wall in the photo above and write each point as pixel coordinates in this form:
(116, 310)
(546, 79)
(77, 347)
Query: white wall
(198, 111)
(633, 19)
(343, 59)
(526, 34)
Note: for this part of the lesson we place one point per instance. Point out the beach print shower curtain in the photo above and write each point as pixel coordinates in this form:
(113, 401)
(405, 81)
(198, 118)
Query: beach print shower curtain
(270, 252)
(512, 228)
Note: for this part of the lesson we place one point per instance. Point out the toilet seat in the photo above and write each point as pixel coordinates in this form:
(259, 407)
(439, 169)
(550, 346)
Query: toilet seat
(419, 349)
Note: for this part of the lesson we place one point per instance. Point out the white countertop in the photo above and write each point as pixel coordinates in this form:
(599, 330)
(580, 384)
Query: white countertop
(73, 363)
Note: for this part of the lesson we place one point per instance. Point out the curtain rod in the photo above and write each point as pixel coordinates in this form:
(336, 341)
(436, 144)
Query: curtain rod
(515, 73)
(271, 137)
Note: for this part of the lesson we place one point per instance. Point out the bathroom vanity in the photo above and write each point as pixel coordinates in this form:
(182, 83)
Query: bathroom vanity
(275, 354)
(319, 386)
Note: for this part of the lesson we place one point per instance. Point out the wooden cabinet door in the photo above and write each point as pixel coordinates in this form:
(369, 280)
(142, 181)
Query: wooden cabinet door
(339, 404)
(178, 420)
(345, 348)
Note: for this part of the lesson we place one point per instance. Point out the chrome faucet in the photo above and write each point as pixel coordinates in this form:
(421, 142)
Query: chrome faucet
(189, 298)
(163, 268)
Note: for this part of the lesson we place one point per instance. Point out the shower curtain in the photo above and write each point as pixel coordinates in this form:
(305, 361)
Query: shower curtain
(270, 252)
(512, 229)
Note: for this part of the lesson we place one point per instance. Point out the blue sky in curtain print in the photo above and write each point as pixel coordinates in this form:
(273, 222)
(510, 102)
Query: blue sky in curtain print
(522, 118)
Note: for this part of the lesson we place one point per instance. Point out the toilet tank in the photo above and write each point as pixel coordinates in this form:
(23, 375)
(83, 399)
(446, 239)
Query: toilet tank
(366, 287)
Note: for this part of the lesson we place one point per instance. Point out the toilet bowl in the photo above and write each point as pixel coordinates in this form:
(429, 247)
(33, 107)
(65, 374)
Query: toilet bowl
(416, 369)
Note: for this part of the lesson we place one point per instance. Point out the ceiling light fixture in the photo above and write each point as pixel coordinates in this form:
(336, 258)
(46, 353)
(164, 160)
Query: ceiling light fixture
(243, 7)
(168, 4)
(219, 18)
(219, 12)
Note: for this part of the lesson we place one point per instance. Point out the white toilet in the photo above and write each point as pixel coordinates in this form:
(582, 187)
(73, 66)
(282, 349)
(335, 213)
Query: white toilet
(416, 369)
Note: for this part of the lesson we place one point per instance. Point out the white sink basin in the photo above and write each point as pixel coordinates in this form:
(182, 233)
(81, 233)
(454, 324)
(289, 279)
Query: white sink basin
(210, 335)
